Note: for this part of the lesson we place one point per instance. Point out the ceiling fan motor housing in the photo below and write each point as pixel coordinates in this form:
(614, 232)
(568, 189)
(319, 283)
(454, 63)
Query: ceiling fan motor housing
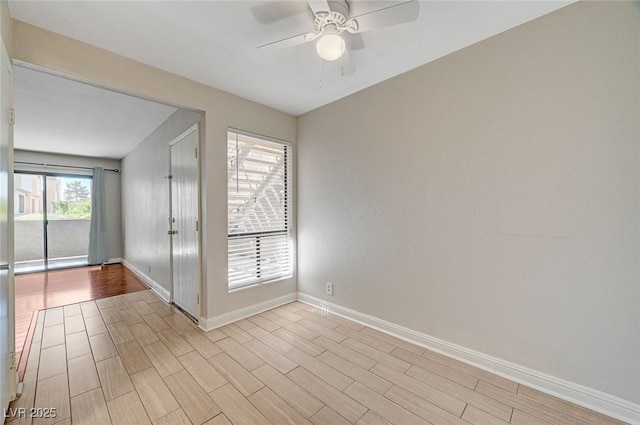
(339, 6)
(337, 17)
(330, 18)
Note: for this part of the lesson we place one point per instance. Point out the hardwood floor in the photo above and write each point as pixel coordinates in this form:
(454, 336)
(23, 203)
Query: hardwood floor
(37, 291)
(132, 359)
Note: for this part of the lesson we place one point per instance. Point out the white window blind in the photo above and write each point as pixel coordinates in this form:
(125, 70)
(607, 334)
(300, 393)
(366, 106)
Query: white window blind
(258, 202)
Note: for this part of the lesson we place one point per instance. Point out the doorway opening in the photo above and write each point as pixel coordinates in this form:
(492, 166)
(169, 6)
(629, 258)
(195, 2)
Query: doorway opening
(66, 124)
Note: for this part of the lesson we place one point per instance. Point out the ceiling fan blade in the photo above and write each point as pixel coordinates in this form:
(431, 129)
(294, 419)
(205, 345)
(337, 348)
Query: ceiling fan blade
(354, 40)
(273, 11)
(396, 14)
(319, 6)
(289, 41)
(347, 65)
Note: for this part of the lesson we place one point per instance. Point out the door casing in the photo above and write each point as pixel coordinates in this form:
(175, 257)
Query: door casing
(8, 375)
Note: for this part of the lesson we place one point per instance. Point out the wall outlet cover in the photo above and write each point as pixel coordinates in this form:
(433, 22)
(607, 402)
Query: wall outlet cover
(328, 288)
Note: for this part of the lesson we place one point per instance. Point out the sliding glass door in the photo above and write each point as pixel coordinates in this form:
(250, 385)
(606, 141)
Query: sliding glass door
(52, 218)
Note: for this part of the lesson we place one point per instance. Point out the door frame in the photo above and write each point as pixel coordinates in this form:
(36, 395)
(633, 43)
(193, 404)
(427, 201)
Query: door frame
(11, 297)
(194, 127)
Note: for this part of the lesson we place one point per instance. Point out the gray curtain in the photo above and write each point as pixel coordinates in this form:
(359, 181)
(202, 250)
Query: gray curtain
(98, 229)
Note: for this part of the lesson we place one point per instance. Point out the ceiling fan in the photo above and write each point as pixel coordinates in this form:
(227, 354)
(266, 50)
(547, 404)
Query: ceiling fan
(332, 20)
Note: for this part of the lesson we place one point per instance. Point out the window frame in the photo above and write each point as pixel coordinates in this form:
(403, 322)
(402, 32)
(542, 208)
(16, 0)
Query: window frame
(288, 213)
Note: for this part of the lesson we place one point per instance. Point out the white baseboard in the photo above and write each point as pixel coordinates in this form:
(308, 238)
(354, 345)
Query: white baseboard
(152, 284)
(575, 393)
(116, 260)
(226, 318)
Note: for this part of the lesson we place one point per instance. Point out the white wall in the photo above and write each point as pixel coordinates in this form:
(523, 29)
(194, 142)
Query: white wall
(145, 199)
(111, 186)
(79, 60)
(492, 198)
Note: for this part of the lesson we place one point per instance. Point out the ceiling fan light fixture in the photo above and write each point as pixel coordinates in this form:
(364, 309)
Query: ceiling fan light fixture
(331, 47)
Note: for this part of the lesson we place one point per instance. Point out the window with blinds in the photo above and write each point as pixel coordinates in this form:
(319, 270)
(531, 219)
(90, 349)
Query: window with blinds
(258, 200)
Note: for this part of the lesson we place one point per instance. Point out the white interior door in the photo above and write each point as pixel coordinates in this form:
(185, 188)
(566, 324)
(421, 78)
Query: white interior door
(184, 222)
(7, 318)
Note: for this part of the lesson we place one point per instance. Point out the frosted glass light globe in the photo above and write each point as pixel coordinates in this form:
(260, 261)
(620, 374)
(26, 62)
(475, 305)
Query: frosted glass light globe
(330, 47)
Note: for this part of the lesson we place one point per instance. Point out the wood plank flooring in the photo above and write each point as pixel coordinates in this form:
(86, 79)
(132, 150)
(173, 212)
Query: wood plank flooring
(132, 359)
(37, 291)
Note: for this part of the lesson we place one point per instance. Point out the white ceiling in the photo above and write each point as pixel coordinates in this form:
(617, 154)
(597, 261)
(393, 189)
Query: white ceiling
(214, 42)
(54, 114)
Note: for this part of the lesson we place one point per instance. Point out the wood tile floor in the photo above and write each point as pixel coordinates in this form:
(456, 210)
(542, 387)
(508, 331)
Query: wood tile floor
(131, 359)
(35, 291)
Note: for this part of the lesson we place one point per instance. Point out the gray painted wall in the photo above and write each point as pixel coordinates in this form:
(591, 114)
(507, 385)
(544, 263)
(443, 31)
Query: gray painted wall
(145, 199)
(111, 186)
(492, 198)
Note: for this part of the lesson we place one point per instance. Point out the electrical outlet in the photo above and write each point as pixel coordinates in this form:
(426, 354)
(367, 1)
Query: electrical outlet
(328, 288)
(149, 268)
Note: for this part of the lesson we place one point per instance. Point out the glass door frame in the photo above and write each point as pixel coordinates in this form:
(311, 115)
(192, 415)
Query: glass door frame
(45, 218)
